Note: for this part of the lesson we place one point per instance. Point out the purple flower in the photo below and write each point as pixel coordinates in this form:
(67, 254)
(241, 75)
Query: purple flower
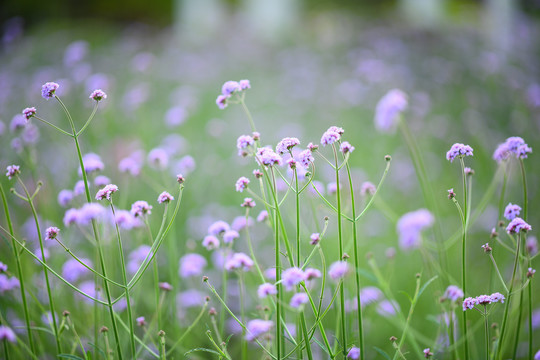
(191, 265)
(369, 295)
(502, 152)
(221, 101)
(79, 188)
(346, 147)
(241, 184)
(106, 192)
(51, 233)
(248, 203)
(239, 223)
(286, 144)
(175, 116)
(257, 327)
(230, 87)
(354, 353)
(210, 242)
(185, 165)
(3, 267)
(71, 217)
(453, 293)
(218, 227)
(367, 188)
(165, 197)
(532, 245)
(140, 208)
(89, 212)
(244, 84)
(158, 158)
(496, 297)
(522, 151)
(165, 286)
(268, 157)
(458, 150)
(239, 261)
(126, 220)
(7, 334)
(242, 143)
(315, 238)
(48, 90)
(511, 211)
(427, 353)
(329, 137)
(388, 108)
(263, 215)
(298, 299)
(12, 170)
(311, 273)
(483, 299)
(338, 270)
(517, 225)
(140, 321)
(229, 236)
(92, 162)
(513, 145)
(469, 303)
(136, 258)
(292, 277)
(537, 355)
(8, 283)
(29, 112)
(98, 95)
(306, 158)
(270, 273)
(101, 180)
(72, 270)
(387, 308)
(410, 225)
(331, 187)
(129, 165)
(266, 289)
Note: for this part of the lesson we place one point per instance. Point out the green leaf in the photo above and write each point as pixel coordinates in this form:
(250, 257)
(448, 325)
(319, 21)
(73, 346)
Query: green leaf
(203, 349)
(426, 285)
(383, 353)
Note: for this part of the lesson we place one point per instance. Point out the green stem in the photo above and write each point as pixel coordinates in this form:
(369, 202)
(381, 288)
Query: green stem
(486, 329)
(409, 317)
(248, 113)
(54, 126)
(89, 119)
(191, 326)
(305, 335)
(525, 198)
(242, 314)
(279, 286)
(465, 221)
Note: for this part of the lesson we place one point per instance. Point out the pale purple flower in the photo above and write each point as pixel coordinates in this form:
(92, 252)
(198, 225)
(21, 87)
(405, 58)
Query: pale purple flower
(75, 52)
(165, 197)
(367, 188)
(221, 101)
(230, 235)
(458, 150)
(140, 208)
(242, 143)
(268, 157)
(92, 162)
(513, 145)
(191, 265)
(126, 220)
(427, 353)
(532, 245)
(242, 184)
(517, 225)
(502, 152)
(483, 299)
(469, 303)
(298, 299)
(369, 295)
(218, 227)
(79, 188)
(354, 353)
(7, 334)
(239, 223)
(3, 267)
(257, 327)
(8, 283)
(388, 108)
(101, 180)
(185, 165)
(315, 238)
(106, 192)
(71, 216)
(239, 261)
(165, 286)
(331, 188)
(12, 170)
(286, 144)
(89, 287)
(387, 308)
(230, 87)
(311, 273)
(537, 355)
(329, 137)
(346, 147)
(136, 258)
(263, 215)
(190, 298)
(210, 242)
(17, 123)
(511, 211)
(248, 203)
(158, 158)
(175, 116)
(522, 151)
(306, 158)
(51, 233)
(514, 142)
(496, 297)
(270, 273)
(244, 84)
(29, 112)
(266, 289)
(410, 225)
(98, 95)
(140, 321)
(73, 270)
(338, 270)
(48, 90)
(453, 293)
(129, 165)
(292, 277)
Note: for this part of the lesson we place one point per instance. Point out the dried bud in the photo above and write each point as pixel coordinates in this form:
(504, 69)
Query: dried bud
(487, 248)
(258, 173)
(104, 329)
(493, 234)
(501, 223)
(388, 158)
(180, 178)
(212, 312)
(165, 286)
(65, 313)
(256, 136)
(451, 194)
(205, 278)
(345, 256)
(530, 273)
(207, 299)
(393, 338)
(161, 333)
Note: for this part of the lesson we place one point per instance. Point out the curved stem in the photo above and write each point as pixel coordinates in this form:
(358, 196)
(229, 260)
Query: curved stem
(465, 221)
(53, 126)
(89, 119)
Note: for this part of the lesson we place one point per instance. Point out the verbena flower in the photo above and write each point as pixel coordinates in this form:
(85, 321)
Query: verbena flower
(8, 283)
(230, 87)
(221, 101)
(158, 158)
(453, 293)
(29, 112)
(140, 208)
(136, 258)
(329, 137)
(270, 274)
(165, 286)
(230, 235)
(458, 150)
(140, 321)
(210, 242)
(90, 212)
(387, 308)
(268, 157)
(165, 197)
(311, 273)
(7, 334)
(3, 267)
(98, 95)
(367, 188)
(517, 225)
(239, 261)
(263, 215)
(12, 170)
(354, 353)
(410, 225)
(388, 108)
(92, 162)
(248, 203)
(106, 192)
(305, 158)
(241, 184)
(369, 295)
(315, 238)
(345, 147)
(511, 211)
(257, 327)
(73, 270)
(298, 299)
(218, 227)
(126, 220)
(470, 302)
(532, 245)
(427, 353)
(266, 289)
(51, 233)
(130, 165)
(513, 145)
(292, 277)
(71, 216)
(48, 90)
(286, 144)
(239, 223)
(191, 265)
(244, 84)
(101, 180)
(242, 143)
(338, 270)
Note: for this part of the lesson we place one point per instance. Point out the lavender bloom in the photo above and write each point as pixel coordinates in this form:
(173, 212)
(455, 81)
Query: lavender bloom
(191, 265)
(242, 143)
(263, 215)
(48, 90)
(517, 225)
(354, 353)
(158, 158)
(239, 223)
(230, 87)
(537, 355)
(514, 142)
(522, 151)
(101, 180)
(306, 158)
(241, 184)
(458, 150)
(239, 261)
(388, 109)
(387, 308)
(515, 145)
(331, 188)
(532, 245)
(17, 123)
(367, 188)
(8, 283)
(185, 165)
(89, 212)
(51, 233)
(502, 152)
(292, 277)
(210, 242)
(106, 192)
(71, 216)
(338, 270)
(218, 227)
(410, 225)
(3, 267)
(258, 327)
(126, 220)
(140, 208)
(266, 289)
(221, 101)
(369, 295)
(511, 211)
(140, 321)
(315, 238)
(89, 288)
(496, 297)
(270, 273)
(29, 112)
(12, 170)
(175, 116)
(469, 303)
(427, 353)
(311, 273)
(329, 137)
(98, 95)
(453, 293)
(248, 203)
(165, 197)
(79, 188)
(229, 236)
(72, 270)
(286, 144)
(483, 299)
(346, 147)
(136, 258)
(165, 286)
(129, 165)
(298, 299)
(244, 84)
(92, 162)
(7, 334)
(268, 157)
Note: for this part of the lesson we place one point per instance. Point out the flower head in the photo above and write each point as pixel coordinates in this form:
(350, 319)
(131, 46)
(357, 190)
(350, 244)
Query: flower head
(263, 215)
(239, 261)
(218, 227)
(140, 208)
(7, 334)
(165, 197)
(73, 270)
(517, 225)
(453, 293)
(268, 157)
(338, 270)
(469, 303)
(229, 236)
(29, 112)
(106, 192)
(210, 242)
(241, 184)
(191, 265)
(511, 211)
(286, 144)
(410, 225)
(306, 158)
(12, 170)
(298, 299)
(140, 321)
(354, 353)
(427, 353)
(487, 248)
(48, 90)
(257, 327)
(51, 233)
(221, 101)
(266, 289)
(230, 87)
(315, 238)
(329, 137)
(458, 150)
(242, 144)
(513, 145)
(496, 297)
(244, 84)
(248, 203)
(98, 95)
(388, 109)
(292, 277)
(346, 147)
(92, 162)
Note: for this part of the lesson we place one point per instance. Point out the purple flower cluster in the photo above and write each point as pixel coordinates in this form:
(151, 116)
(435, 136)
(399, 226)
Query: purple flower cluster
(286, 144)
(458, 150)
(410, 225)
(8, 283)
(218, 227)
(338, 270)
(367, 188)
(242, 143)
(191, 265)
(298, 299)
(292, 277)
(7, 334)
(513, 145)
(346, 147)
(48, 90)
(453, 293)
(257, 327)
(331, 135)
(268, 157)
(239, 261)
(73, 270)
(12, 170)
(305, 158)
(266, 289)
(165, 197)
(98, 95)
(517, 225)
(229, 89)
(29, 112)
(210, 242)
(106, 192)
(242, 184)
(84, 215)
(354, 353)
(388, 109)
(51, 233)
(140, 208)
(92, 162)
(470, 302)
(511, 211)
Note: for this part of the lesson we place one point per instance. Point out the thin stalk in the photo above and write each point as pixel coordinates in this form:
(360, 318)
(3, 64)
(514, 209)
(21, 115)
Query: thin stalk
(409, 317)
(486, 329)
(525, 197)
(191, 326)
(89, 119)
(279, 287)
(242, 314)
(498, 272)
(45, 272)
(525, 207)
(451, 333)
(518, 327)
(224, 291)
(305, 335)
(72, 326)
(465, 222)
(54, 126)
(19, 271)
(248, 114)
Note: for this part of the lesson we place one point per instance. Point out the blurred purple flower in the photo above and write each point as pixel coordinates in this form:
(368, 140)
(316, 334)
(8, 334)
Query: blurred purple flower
(517, 225)
(158, 158)
(136, 258)
(266, 289)
(72, 270)
(191, 265)
(292, 277)
(92, 162)
(410, 225)
(338, 270)
(511, 211)
(388, 109)
(140, 208)
(298, 299)
(257, 327)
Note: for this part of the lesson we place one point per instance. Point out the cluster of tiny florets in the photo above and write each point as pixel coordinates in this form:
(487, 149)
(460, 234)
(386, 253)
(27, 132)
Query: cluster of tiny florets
(513, 145)
(106, 192)
(98, 95)
(229, 89)
(140, 208)
(511, 211)
(12, 170)
(48, 90)
(241, 184)
(165, 197)
(470, 302)
(458, 150)
(51, 233)
(268, 157)
(286, 144)
(517, 225)
(29, 112)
